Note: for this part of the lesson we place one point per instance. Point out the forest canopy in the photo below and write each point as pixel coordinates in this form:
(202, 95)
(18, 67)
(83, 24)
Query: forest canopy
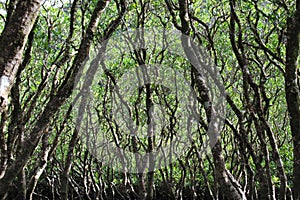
(149, 99)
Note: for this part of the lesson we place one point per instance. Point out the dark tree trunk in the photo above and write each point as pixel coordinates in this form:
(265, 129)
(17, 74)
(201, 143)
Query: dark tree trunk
(292, 92)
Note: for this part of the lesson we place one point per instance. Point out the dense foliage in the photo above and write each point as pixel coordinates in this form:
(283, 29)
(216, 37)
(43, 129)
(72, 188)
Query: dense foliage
(253, 48)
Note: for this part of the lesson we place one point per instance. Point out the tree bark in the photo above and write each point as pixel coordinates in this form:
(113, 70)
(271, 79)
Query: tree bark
(293, 93)
(12, 43)
(229, 185)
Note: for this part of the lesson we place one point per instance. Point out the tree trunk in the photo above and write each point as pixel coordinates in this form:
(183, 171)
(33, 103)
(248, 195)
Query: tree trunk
(293, 93)
(12, 43)
(229, 185)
